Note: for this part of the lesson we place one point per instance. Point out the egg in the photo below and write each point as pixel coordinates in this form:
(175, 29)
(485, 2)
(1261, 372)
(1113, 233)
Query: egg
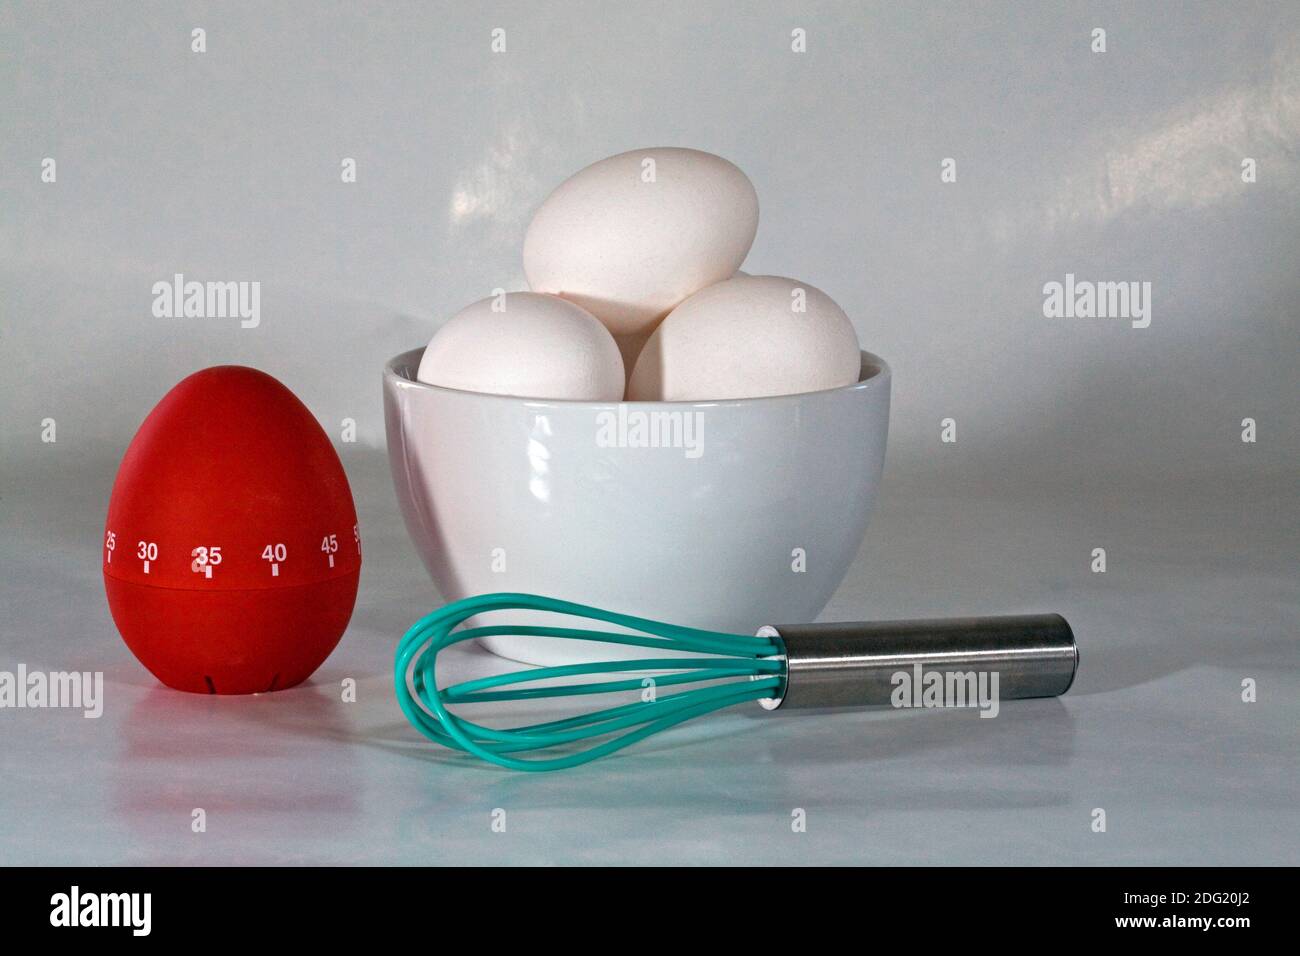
(630, 237)
(748, 337)
(231, 552)
(525, 344)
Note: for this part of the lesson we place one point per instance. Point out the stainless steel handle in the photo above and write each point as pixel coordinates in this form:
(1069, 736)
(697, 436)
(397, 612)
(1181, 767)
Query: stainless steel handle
(856, 664)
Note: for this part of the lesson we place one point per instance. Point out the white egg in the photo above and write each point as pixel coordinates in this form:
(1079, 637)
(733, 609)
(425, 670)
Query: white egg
(745, 338)
(630, 237)
(630, 346)
(525, 344)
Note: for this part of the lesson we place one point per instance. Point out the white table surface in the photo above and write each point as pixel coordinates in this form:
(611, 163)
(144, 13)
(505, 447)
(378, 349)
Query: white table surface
(1199, 593)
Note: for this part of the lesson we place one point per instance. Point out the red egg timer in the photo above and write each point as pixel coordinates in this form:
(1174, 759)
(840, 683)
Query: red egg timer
(231, 551)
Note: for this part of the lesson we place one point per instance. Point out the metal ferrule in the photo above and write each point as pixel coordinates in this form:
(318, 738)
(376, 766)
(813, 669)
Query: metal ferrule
(859, 664)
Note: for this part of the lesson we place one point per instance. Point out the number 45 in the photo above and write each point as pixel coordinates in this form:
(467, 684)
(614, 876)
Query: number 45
(330, 543)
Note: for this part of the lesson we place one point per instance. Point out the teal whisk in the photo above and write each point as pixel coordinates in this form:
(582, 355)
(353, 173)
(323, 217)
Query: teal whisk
(788, 666)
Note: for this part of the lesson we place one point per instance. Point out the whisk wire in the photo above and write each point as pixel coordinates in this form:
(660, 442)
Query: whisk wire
(741, 664)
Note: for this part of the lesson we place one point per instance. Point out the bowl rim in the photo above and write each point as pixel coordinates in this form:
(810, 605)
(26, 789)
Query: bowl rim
(874, 374)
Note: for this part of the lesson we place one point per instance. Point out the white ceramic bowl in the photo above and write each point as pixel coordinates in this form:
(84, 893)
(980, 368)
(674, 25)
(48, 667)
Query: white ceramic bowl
(565, 499)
